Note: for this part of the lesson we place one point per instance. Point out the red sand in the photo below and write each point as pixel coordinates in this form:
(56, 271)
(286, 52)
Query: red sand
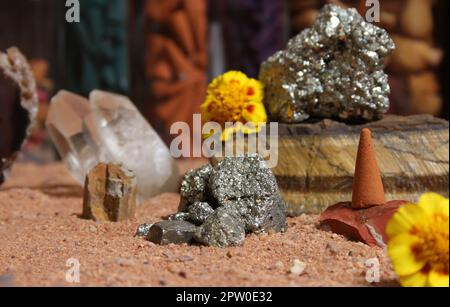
(40, 230)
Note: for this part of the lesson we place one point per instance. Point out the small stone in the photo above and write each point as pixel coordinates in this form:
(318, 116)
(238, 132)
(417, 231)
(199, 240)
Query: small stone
(279, 265)
(163, 282)
(180, 216)
(224, 228)
(168, 255)
(298, 267)
(124, 262)
(172, 232)
(332, 247)
(109, 193)
(186, 258)
(182, 274)
(92, 229)
(143, 230)
(199, 212)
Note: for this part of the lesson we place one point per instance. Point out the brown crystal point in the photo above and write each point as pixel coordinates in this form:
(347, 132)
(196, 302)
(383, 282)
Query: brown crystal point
(368, 188)
(110, 193)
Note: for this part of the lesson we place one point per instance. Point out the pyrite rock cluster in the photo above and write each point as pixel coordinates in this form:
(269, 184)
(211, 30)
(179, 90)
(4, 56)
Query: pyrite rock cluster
(109, 193)
(333, 69)
(109, 128)
(235, 197)
(19, 107)
(413, 25)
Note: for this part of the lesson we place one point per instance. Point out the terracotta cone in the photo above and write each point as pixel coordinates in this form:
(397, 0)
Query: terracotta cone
(368, 188)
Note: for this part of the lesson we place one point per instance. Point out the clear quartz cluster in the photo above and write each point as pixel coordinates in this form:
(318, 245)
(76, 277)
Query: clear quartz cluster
(333, 69)
(109, 128)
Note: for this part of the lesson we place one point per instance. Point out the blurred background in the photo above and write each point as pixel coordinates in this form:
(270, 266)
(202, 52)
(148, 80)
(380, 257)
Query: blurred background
(162, 53)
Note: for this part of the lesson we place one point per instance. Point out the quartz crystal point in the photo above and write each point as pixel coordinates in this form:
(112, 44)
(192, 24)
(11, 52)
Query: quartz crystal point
(132, 141)
(333, 69)
(109, 128)
(71, 126)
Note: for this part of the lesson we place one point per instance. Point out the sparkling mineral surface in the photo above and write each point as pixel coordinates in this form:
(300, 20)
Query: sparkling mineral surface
(235, 197)
(195, 187)
(109, 128)
(333, 69)
(224, 228)
(180, 216)
(199, 212)
(143, 230)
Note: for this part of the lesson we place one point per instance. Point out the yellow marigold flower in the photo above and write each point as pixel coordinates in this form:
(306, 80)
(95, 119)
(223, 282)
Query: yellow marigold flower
(235, 98)
(418, 242)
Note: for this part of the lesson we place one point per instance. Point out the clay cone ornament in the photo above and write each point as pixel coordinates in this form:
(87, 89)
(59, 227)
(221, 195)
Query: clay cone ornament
(368, 190)
(365, 217)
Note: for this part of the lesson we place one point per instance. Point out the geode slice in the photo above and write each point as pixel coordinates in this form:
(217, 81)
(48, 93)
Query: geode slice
(19, 105)
(333, 69)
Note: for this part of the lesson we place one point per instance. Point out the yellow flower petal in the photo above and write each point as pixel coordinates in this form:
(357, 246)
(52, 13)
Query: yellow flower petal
(233, 76)
(255, 113)
(436, 279)
(255, 88)
(414, 280)
(433, 203)
(402, 257)
(405, 219)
